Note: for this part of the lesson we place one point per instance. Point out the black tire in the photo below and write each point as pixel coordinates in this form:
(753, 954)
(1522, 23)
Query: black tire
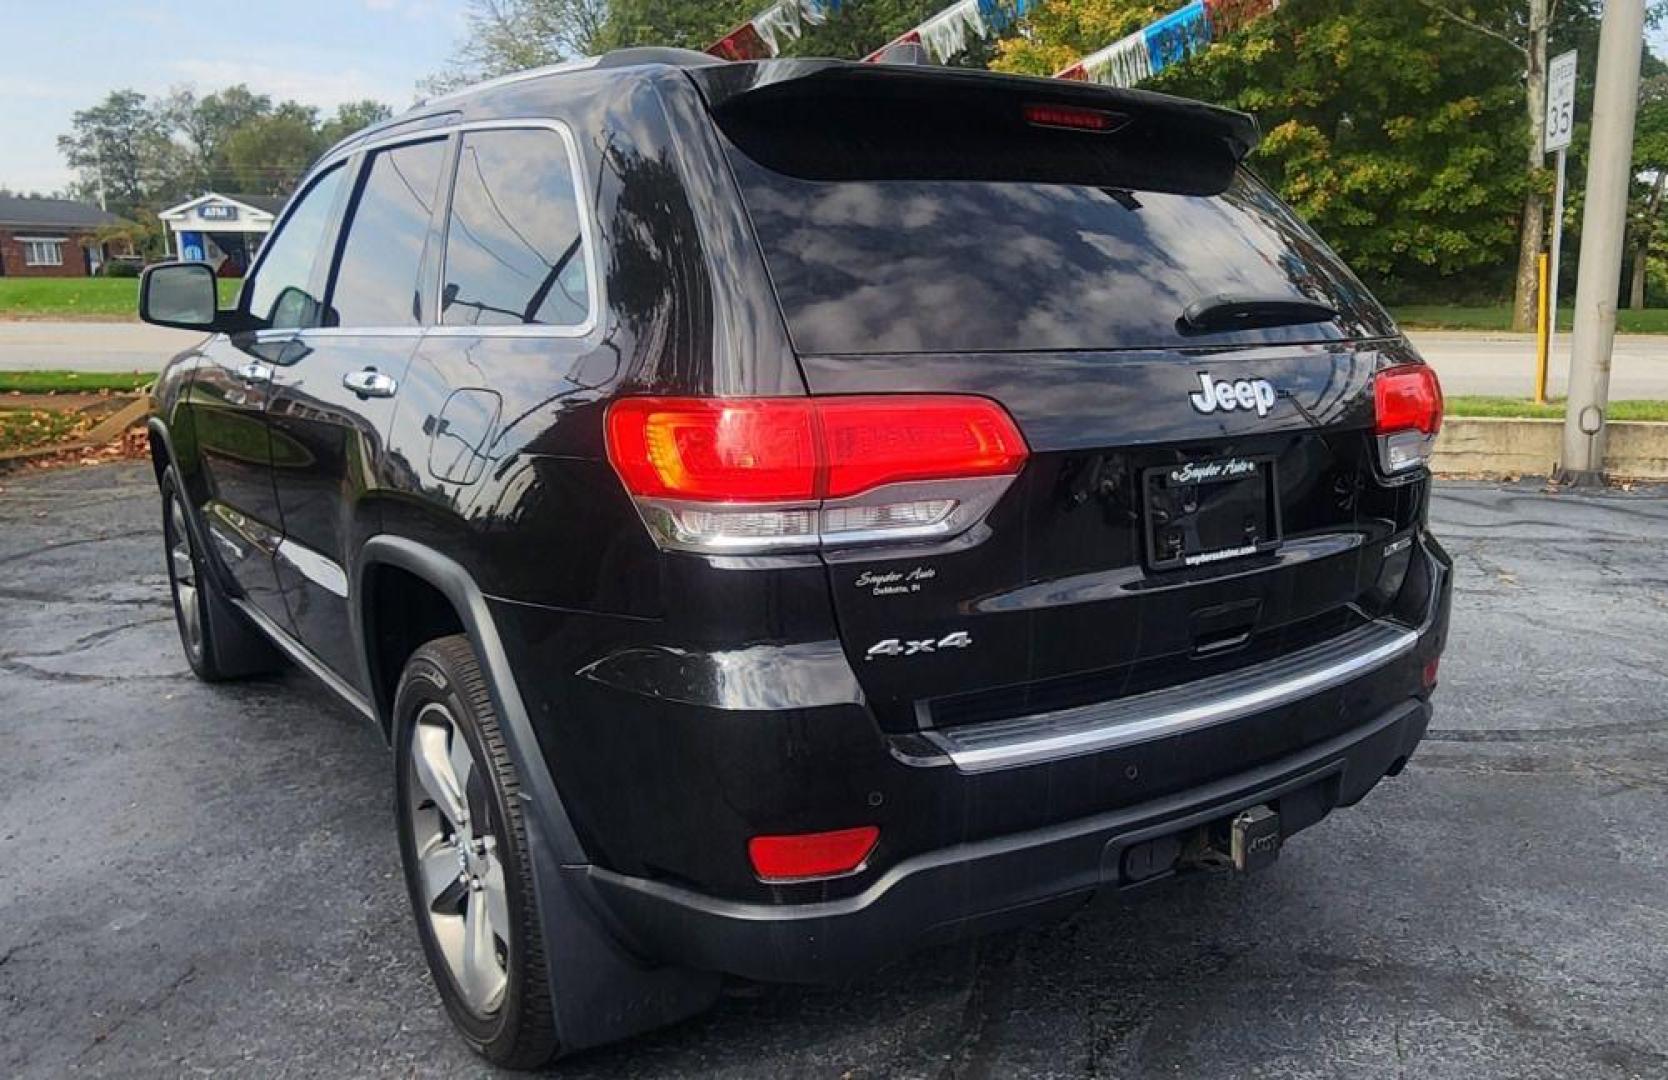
(219, 642)
(442, 683)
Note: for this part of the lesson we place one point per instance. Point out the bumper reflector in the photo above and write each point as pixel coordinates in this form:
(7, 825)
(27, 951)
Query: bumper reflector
(805, 856)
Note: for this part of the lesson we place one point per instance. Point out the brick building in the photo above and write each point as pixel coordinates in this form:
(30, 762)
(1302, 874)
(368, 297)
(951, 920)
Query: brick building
(50, 237)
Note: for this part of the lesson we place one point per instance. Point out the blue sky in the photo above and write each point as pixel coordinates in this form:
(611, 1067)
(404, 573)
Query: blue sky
(64, 55)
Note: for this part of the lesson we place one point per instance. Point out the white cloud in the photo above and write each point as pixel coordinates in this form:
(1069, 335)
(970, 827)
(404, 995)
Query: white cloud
(323, 89)
(16, 89)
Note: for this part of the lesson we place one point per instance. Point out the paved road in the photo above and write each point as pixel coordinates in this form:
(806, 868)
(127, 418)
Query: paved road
(1468, 363)
(89, 346)
(1504, 364)
(203, 879)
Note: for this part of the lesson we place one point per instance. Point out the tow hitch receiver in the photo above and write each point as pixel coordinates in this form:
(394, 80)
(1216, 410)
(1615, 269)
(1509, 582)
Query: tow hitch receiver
(1254, 838)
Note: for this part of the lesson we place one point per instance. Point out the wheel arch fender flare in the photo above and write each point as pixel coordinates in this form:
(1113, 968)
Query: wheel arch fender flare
(158, 433)
(460, 590)
(606, 991)
(157, 430)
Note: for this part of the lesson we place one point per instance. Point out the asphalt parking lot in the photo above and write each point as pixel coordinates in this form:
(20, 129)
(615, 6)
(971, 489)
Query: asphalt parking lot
(203, 880)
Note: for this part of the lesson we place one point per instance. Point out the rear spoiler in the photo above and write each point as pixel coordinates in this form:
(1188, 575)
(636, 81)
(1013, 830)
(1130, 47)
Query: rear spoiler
(777, 84)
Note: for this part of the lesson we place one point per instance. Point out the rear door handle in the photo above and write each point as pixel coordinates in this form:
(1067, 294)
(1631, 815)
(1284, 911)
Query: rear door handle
(370, 383)
(254, 371)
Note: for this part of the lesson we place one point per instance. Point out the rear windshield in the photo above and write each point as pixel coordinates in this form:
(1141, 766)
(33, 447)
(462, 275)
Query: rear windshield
(898, 265)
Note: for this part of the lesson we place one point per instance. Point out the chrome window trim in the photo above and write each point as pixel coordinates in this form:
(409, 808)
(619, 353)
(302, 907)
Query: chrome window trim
(587, 234)
(587, 240)
(361, 331)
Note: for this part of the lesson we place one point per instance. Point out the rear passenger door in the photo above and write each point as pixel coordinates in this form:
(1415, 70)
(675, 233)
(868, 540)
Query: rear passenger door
(334, 399)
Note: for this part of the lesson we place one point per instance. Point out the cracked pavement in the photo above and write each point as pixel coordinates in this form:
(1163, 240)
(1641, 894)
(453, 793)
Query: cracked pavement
(204, 880)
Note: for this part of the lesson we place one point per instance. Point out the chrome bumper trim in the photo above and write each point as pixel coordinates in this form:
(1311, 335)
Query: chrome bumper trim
(1159, 714)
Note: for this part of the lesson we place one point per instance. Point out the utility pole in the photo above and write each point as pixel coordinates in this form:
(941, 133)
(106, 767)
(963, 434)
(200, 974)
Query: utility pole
(1599, 277)
(1534, 203)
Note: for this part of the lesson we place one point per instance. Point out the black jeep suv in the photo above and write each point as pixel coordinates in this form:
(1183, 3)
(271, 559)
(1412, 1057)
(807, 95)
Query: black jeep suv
(783, 513)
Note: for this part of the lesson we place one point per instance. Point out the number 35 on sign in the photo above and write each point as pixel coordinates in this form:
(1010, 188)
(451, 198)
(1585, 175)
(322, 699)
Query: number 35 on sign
(1560, 101)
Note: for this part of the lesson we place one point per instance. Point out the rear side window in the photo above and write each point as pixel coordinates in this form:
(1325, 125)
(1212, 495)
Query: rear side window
(378, 277)
(279, 295)
(996, 237)
(515, 251)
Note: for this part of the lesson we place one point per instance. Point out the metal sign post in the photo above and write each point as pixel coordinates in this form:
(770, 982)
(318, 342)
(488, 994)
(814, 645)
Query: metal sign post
(1560, 129)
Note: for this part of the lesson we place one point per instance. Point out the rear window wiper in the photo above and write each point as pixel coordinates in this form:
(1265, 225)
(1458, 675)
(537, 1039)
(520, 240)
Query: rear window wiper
(1222, 313)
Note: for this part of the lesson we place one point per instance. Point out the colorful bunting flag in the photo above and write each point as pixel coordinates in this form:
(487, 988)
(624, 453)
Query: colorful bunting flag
(766, 33)
(1171, 40)
(1178, 36)
(958, 26)
(1123, 63)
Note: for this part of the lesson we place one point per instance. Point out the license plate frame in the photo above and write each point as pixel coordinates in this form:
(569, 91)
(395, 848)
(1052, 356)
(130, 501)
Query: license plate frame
(1222, 509)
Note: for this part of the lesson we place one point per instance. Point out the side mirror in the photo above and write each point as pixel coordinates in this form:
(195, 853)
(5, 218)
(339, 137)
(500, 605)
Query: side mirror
(181, 295)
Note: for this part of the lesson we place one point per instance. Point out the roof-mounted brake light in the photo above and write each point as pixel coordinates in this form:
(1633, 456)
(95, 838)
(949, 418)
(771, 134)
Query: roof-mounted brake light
(1072, 117)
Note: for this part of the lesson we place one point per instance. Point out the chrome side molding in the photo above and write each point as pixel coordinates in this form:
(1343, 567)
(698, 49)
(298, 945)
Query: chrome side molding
(1159, 714)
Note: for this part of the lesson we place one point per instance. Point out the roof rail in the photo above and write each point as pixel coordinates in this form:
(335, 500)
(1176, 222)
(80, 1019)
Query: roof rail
(614, 58)
(580, 64)
(657, 54)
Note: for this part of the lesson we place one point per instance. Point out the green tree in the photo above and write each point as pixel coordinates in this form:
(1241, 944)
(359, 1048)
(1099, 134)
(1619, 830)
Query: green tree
(350, 117)
(1650, 159)
(122, 150)
(1058, 33)
(514, 35)
(205, 123)
(1397, 135)
(862, 26)
(674, 22)
(268, 154)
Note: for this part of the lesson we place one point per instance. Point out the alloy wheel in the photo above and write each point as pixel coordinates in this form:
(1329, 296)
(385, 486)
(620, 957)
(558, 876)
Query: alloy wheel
(458, 857)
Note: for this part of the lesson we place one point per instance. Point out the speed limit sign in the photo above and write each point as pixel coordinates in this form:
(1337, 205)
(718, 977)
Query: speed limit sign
(1560, 102)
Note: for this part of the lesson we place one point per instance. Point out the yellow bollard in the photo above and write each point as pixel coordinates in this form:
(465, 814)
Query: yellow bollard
(1543, 343)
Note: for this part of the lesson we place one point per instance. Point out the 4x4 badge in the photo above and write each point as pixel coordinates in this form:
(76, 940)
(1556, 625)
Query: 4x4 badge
(959, 639)
(1240, 394)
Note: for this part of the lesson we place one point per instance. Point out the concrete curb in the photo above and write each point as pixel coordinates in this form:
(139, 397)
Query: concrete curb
(1498, 446)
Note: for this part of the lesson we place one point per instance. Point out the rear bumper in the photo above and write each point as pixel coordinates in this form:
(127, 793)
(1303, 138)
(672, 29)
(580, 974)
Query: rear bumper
(978, 886)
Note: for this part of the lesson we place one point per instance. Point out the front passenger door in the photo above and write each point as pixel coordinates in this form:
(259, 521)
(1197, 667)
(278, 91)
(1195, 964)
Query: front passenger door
(229, 391)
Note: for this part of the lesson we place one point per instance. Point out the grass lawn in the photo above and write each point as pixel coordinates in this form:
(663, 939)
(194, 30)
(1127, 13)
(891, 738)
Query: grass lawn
(1552, 410)
(1444, 317)
(81, 298)
(70, 382)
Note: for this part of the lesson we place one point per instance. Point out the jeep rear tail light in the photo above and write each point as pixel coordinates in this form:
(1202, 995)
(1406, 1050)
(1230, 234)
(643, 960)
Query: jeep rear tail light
(805, 856)
(741, 475)
(1408, 400)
